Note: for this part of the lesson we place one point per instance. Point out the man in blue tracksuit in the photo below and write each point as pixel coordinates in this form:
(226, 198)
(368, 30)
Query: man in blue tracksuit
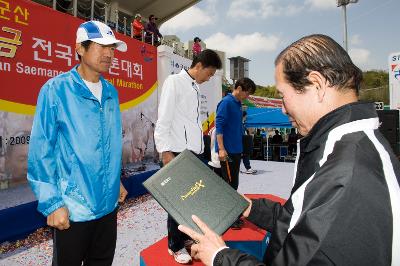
(229, 131)
(75, 153)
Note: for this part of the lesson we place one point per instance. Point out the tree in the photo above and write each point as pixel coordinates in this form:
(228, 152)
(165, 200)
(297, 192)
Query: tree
(269, 91)
(375, 86)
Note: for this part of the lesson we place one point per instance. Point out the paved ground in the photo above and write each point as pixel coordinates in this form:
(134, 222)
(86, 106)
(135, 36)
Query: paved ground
(141, 221)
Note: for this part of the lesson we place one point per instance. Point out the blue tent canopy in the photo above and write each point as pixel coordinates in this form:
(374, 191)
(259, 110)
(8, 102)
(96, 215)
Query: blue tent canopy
(266, 117)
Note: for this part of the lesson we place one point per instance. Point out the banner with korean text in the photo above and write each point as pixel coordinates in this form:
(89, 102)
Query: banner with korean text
(38, 43)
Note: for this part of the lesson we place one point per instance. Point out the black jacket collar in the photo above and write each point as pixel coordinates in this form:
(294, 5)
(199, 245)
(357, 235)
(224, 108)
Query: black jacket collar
(342, 115)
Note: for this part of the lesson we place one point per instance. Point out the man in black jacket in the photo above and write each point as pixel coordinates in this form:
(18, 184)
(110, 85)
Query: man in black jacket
(344, 208)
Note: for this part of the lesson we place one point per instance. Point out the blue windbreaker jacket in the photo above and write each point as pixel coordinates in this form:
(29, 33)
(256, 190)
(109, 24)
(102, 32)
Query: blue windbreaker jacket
(75, 149)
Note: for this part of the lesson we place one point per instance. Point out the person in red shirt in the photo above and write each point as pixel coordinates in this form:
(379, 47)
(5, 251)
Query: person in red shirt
(137, 27)
(196, 49)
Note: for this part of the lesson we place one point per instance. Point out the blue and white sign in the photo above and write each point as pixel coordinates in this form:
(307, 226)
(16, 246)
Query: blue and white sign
(394, 80)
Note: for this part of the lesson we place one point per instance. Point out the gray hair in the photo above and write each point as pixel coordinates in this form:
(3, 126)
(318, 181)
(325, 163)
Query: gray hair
(320, 53)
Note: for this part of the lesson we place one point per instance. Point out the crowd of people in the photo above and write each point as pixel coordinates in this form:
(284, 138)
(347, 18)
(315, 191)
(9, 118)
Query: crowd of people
(344, 205)
(274, 140)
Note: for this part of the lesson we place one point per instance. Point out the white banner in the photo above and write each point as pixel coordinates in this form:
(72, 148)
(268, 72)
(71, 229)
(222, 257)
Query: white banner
(210, 92)
(394, 80)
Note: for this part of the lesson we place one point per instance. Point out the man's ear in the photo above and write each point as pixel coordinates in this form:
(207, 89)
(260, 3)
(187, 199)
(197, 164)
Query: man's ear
(79, 49)
(198, 66)
(319, 82)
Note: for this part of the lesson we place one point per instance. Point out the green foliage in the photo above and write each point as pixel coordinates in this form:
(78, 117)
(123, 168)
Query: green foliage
(374, 88)
(269, 91)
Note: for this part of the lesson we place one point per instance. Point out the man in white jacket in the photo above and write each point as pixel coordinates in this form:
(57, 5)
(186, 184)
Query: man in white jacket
(179, 127)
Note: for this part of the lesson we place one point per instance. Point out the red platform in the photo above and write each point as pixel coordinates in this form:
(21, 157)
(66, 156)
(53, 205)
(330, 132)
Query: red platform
(249, 239)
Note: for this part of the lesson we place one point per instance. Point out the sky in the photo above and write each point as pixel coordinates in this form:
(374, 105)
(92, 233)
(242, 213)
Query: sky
(260, 29)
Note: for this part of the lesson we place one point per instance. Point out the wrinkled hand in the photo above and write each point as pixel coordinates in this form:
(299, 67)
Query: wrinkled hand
(246, 212)
(59, 219)
(206, 245)
(167, 156)
(122, 193)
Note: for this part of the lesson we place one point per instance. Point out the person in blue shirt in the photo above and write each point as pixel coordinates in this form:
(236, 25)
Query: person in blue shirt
(75, 152)
(229, 131)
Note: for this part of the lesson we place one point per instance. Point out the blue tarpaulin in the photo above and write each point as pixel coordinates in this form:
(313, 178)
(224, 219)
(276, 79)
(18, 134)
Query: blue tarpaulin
(266, 117)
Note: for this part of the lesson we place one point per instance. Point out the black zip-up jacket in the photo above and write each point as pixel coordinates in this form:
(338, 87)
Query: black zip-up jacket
(344, 208)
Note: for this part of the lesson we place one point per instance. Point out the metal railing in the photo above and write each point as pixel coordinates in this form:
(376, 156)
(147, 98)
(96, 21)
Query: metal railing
(94, 10)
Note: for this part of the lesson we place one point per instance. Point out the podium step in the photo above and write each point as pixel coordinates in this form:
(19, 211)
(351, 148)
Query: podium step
(249, 239)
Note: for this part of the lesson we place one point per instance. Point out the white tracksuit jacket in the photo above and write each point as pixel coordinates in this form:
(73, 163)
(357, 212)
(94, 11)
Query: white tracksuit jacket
(179, 126)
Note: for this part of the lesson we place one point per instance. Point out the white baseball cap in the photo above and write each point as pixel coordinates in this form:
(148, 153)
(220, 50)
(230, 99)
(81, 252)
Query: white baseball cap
(100, 33)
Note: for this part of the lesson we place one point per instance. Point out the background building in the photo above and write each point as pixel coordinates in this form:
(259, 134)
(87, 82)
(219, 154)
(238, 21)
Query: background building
(239, 68)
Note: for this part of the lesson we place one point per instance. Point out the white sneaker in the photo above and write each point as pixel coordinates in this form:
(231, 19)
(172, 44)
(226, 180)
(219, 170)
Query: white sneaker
(251, 171)
(181, 256)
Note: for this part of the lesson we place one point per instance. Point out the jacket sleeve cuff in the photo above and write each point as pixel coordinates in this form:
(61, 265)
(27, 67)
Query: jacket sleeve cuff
(164, 149)
(253, 215)
(216, 259)
(263, 213)
(53, 207)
